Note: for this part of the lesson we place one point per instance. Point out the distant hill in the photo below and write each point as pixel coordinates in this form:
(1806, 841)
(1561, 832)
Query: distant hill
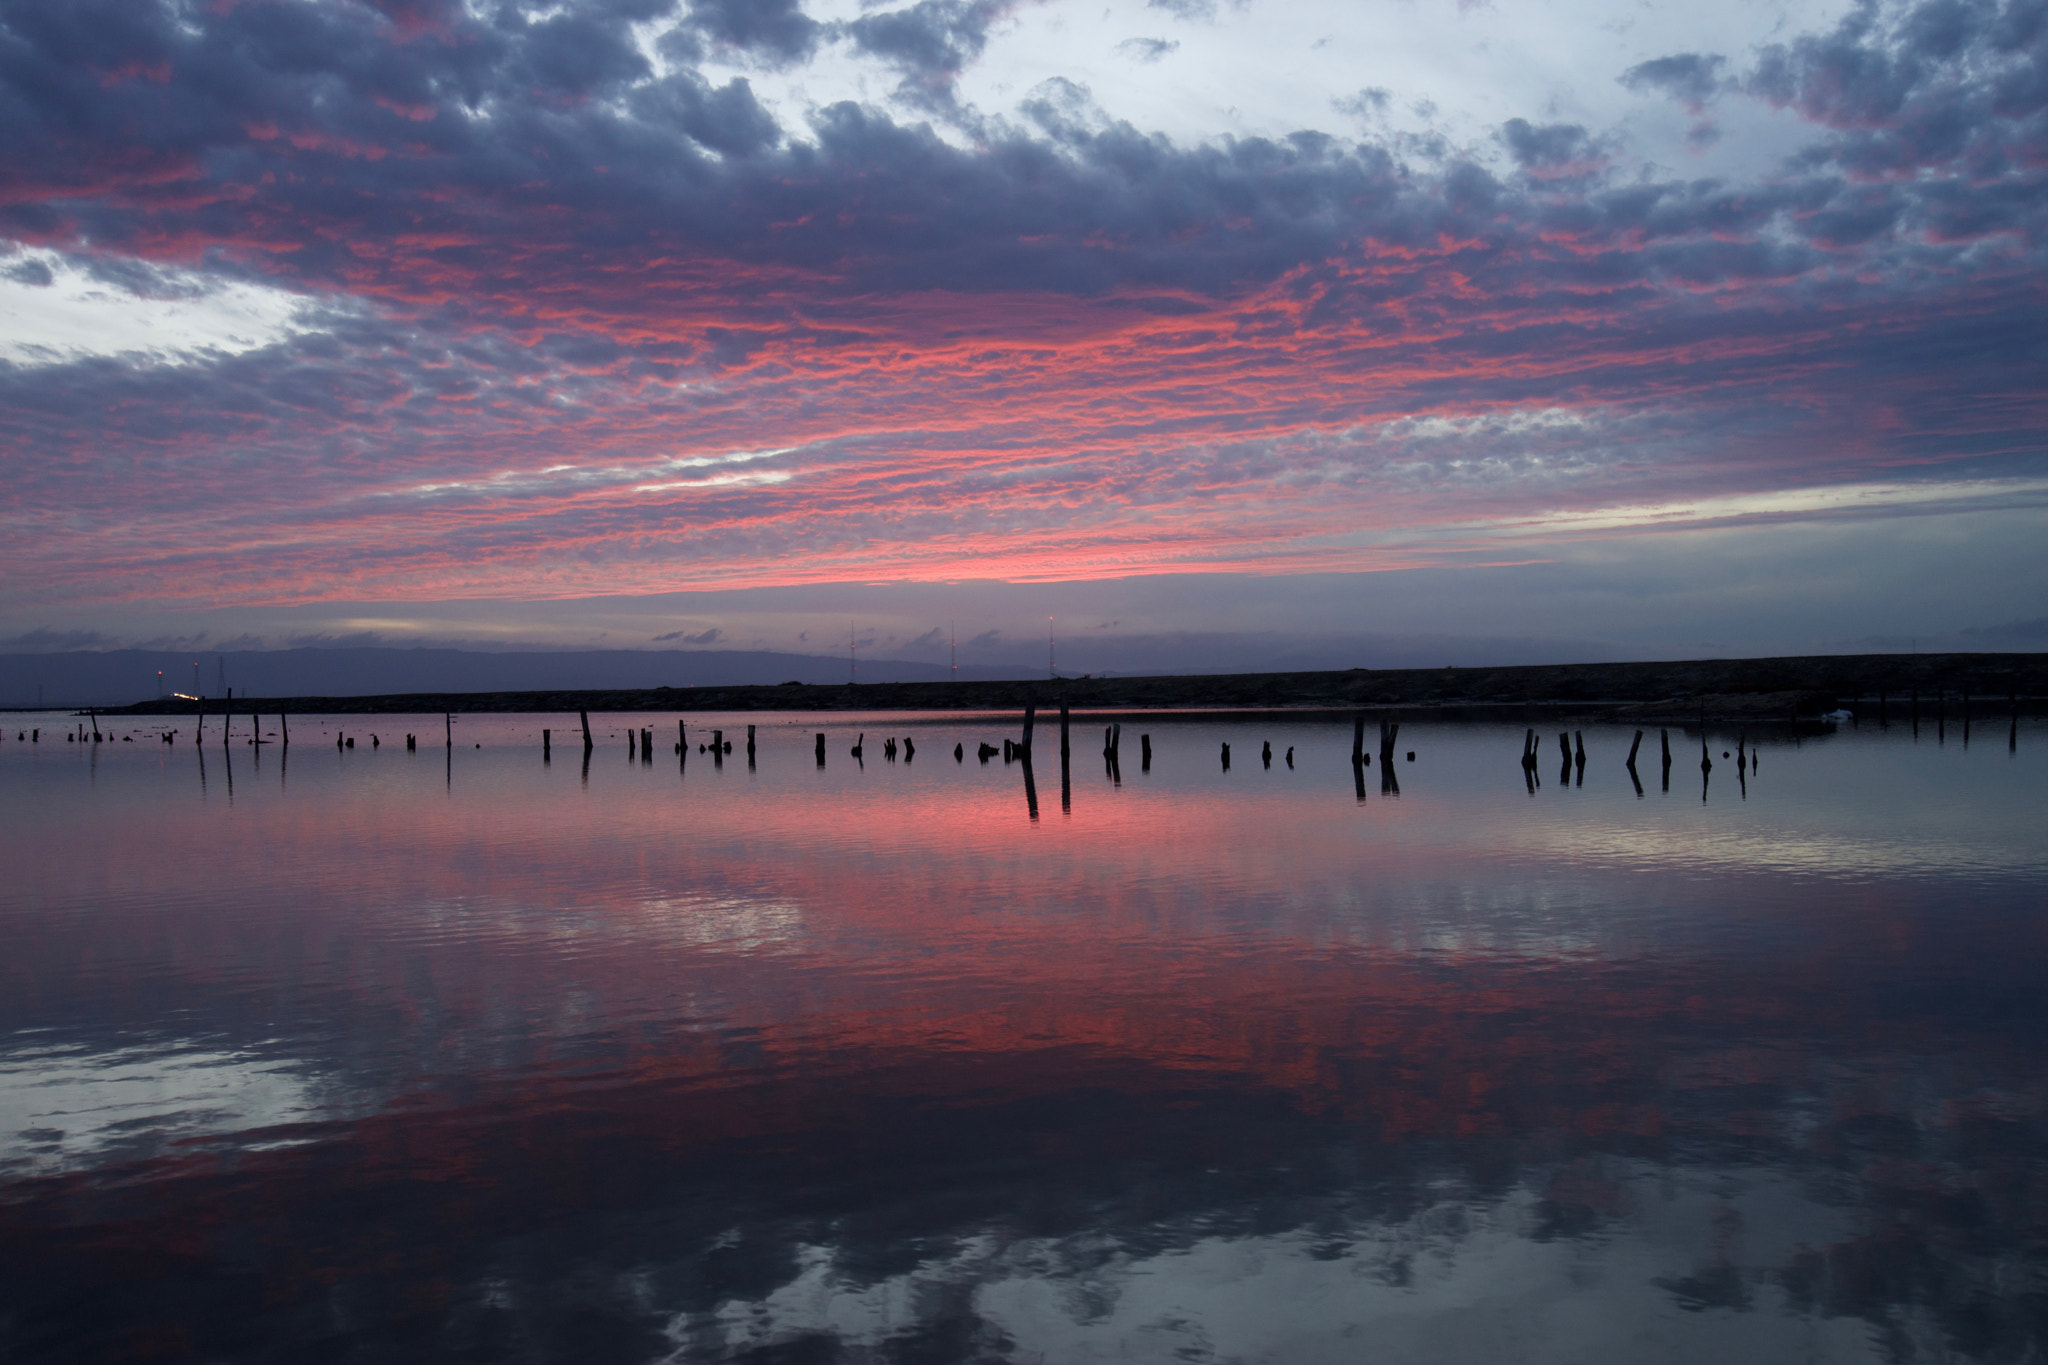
(119, 677)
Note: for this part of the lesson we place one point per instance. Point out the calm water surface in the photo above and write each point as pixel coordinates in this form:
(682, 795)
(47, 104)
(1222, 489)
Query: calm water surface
(371, 1055)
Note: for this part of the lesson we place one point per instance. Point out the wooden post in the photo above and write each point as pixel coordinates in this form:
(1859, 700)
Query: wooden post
(1226, 757)
(547, 740)
(586, 730)
(1145, 750)
(284, 729)
(1063, 727)
(1631, 764)
(448, 729)
(750, 744)
(1030, 719)
(1266, 754)
(1579, 739)
(821, 749)
(1564, 744)
(682, 740)
(718, 749)
(630, 735)
(860, 744)
(1358, 738)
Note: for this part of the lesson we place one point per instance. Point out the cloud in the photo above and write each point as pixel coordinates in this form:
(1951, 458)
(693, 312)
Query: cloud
(47, 641)
(2009, 634)
(568, 307)
(776, 31)
(930, 42)
(1690, 77)
(1551, 150)
(1146, 49)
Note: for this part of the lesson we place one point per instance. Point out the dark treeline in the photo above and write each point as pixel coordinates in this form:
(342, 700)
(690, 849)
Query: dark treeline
(1749, 688)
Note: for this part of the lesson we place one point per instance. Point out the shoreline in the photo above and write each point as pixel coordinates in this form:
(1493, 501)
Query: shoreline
(1786, 689)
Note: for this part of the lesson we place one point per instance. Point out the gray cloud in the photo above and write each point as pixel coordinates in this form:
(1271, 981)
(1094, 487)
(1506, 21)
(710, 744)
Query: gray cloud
(1691, 77)
(1146, 49)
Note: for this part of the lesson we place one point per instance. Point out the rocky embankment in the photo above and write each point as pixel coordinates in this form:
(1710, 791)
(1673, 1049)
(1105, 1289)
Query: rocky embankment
(1748, 689)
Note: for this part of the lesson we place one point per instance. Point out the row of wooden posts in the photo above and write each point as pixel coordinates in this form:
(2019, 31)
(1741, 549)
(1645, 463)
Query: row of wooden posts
(1572, 749)
(1571, 746)
(2012, 734)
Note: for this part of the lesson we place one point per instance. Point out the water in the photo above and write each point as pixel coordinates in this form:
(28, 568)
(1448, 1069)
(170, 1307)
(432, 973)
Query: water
(451, 1055)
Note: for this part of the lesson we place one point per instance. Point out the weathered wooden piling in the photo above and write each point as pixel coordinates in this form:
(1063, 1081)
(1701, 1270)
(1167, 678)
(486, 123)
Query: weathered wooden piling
(1637, 744)
(750, 745)
(1358, 738)
(909, 749)
(547, 746)
(959, 753)
(647, 744)
(718, 749)
(448, 726)
(1226, 757)
(1266, 753)
(1145, 752)
(1063, 728)
(683, 741)
(1389, 732)
(1706, 759)
(630, 743)
(585, 717)
(821, 749)
(986, 751)
(859, 745)
(1579, 743)
(1030, 721)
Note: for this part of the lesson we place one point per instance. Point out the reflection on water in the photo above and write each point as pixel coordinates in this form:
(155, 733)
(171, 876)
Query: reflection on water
(386, 1053)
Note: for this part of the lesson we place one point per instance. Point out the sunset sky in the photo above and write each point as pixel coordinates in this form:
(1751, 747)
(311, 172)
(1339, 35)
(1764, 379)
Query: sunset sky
(1192, 331)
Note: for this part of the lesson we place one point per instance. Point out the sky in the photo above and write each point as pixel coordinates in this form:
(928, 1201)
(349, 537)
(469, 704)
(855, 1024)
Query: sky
(1189, 332)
